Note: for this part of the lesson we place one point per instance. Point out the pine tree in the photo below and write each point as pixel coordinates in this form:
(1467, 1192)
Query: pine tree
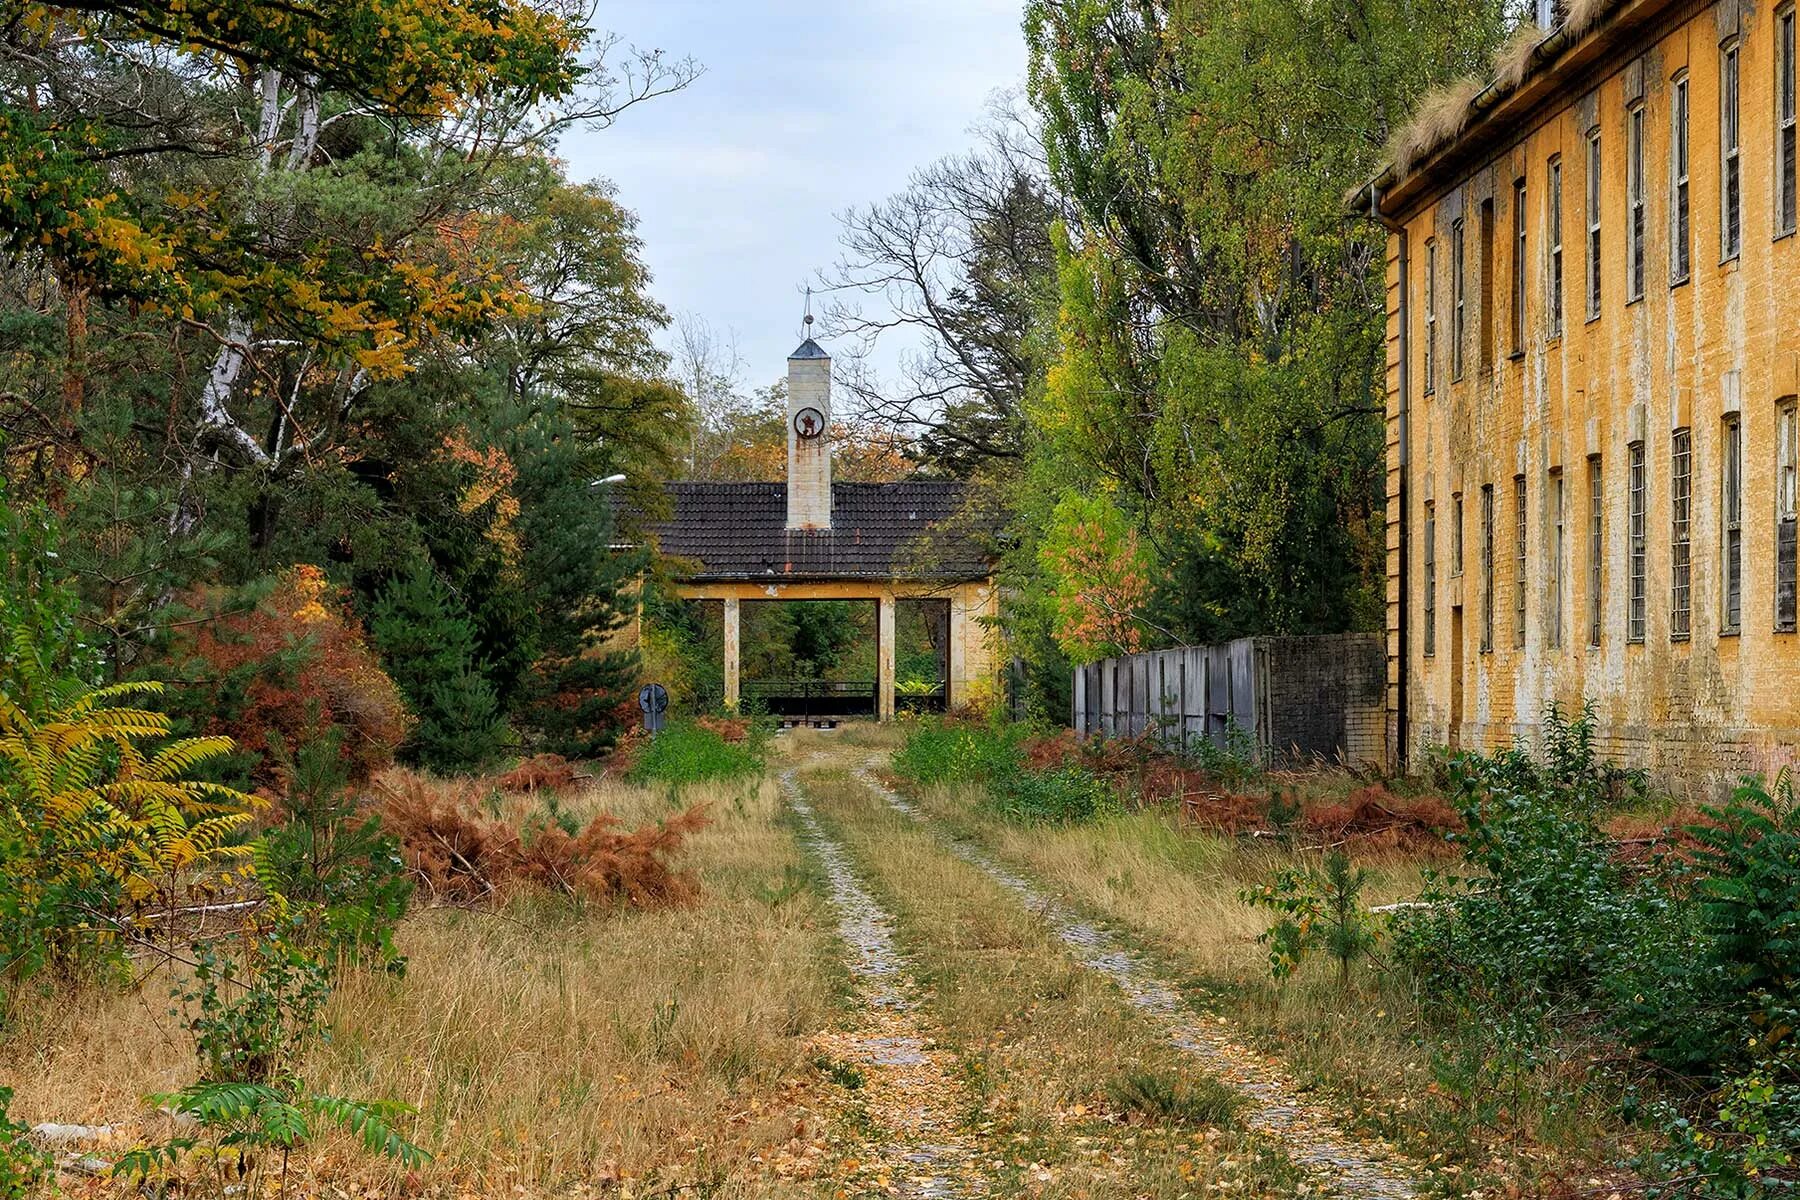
(427, 641)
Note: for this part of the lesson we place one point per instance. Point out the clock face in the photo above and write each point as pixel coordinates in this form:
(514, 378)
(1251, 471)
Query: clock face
(809, 423)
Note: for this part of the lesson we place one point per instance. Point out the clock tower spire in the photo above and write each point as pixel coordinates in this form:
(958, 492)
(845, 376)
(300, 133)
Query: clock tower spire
(809, 432)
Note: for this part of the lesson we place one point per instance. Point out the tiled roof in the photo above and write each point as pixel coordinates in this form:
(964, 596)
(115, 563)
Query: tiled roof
(738, 531)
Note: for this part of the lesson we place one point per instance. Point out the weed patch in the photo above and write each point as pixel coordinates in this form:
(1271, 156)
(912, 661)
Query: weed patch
(1168, 1098)
(689, 752)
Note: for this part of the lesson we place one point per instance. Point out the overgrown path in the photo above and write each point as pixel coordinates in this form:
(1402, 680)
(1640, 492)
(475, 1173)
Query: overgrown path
(903, 1084)
(1345, 1166)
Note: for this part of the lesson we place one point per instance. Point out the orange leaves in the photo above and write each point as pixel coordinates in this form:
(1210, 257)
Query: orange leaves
(1100, 579)
(493, 477)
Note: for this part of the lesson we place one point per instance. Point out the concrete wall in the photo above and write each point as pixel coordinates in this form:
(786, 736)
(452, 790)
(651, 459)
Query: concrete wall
(1300, 699)
(1696, 707)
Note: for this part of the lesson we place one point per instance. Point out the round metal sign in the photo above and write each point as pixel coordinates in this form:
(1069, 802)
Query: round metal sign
(653, 698)
(809, 423)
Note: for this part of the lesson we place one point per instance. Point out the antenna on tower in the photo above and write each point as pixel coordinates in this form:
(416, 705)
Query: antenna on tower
(807, 320)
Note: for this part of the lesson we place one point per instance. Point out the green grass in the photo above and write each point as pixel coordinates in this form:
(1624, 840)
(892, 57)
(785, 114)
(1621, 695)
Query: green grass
(685, 753)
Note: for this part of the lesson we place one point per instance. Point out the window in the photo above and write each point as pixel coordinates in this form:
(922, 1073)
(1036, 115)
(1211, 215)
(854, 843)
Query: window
(1731, 167)
(1634, 195)
(1430, 579)
(1681, 239)
(1456, 538)
(1484, 353)
(1557, 557)
(1681, 514)
(1519, 561)
(1593, 224)
(1787, 500)
(1634, 615)
(1553, 220)
(1784, 121)
(1518, 269)
(1596, 552)
(1731, 510)
(1487, 568)
(1430, 315)
(1458, 291)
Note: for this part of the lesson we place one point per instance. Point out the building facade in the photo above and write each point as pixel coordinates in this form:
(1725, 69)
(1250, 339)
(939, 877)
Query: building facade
(1594, 359)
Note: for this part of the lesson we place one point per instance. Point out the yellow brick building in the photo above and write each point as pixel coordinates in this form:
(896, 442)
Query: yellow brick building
(1594, 357)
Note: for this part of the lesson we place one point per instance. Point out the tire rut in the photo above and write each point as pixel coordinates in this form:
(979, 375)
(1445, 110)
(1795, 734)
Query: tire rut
(904, 1082)
(1306, 1135)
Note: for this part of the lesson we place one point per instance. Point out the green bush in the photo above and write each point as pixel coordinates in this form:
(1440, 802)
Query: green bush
(941, 752)
(689, 753)
(22, 1164)
(1064, 796)
(1168, 1098)
(330, 861)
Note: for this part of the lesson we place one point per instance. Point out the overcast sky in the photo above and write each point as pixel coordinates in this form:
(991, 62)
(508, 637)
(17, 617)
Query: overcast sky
(803, 111)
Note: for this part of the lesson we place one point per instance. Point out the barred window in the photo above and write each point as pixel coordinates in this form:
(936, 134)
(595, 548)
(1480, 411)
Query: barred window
(1731, 166)
(1519, 597)
(1456, 538)
(1596, 551)
(1593, 225)
(1681, 241)
(1634, 195)
(1557, 555)
(1681, 493)
(1430, 315)
(1518, 268)
(1787, 494)
(1553, 236)
(1784, 121)
(1487, 568)
(1430, 579)
(1635, 612)
(1731, 510)
(1459, 285)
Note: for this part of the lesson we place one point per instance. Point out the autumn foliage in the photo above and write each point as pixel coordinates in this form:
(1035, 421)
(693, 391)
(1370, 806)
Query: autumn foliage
(290, 670)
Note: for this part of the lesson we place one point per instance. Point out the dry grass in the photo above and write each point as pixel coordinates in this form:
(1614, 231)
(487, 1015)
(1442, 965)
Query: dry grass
(1047, 1046)
(544, 1045)
(1174, 890)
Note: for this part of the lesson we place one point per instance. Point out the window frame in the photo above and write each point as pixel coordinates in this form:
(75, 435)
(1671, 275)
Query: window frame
(1520, 263)
(1596, 551)
(1681, 535)
(1430, 638)
(1681, 164)
(1459, 295)
(1731, 151)
(1430, 315)
(1487, 568)
(1635, 215)
(1595, 198)
(1521, 595)
(1787, 513)
(1558, 552)
(1637, 606)
(1553, 222)
(1457, 538)
(1731, 526)
(1787, 120)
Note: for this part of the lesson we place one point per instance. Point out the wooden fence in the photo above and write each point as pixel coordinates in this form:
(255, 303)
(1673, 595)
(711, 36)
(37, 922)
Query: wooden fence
(1299, 698)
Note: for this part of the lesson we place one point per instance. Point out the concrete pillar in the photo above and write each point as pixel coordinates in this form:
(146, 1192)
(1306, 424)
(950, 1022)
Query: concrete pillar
(732, 652)
(956, 673)
(884, 657)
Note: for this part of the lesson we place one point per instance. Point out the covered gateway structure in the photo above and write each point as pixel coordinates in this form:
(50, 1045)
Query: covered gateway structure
(807, 538)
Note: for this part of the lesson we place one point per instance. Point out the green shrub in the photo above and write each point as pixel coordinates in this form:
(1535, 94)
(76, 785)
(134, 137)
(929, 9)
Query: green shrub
(1063, 796)
(331, 862)
(689, 753)
(22, 1164)
(940, 752)
(1317, 908)
(428, 642)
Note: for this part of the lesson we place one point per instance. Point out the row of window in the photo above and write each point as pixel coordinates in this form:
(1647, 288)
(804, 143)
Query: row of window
(1680, 466)
(1731, 206)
